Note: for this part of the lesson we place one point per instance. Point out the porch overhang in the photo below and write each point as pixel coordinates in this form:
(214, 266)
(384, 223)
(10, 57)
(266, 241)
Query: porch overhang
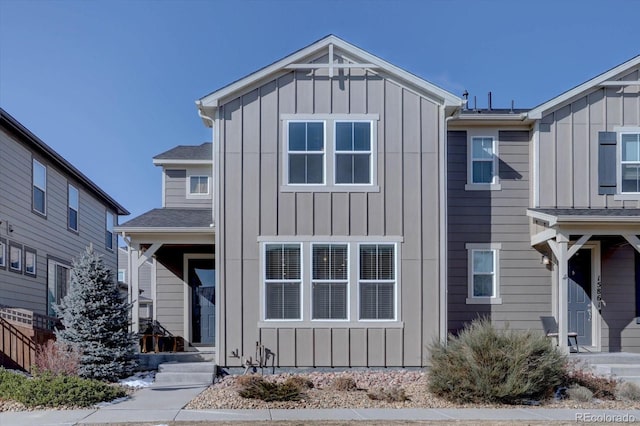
(566, 231)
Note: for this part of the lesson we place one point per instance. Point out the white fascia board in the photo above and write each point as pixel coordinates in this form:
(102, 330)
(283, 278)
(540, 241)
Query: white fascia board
(597, 219)
(445, 97)
(568, 96)
(168, 162)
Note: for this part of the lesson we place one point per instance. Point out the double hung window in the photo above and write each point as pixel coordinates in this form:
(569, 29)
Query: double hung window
(377, 281)
(282, 278)
(483, 160)
(198, 185)
(305, 147)
(73, 206)
(330, 281)
(330, 152)
(30, 262)
(483, 273)
(15, 258)
(630, 163)
(353, 152)
(108, 233)
(39, 182)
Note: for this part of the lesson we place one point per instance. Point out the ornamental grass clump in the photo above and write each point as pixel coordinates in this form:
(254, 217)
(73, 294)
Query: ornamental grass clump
(486, 365)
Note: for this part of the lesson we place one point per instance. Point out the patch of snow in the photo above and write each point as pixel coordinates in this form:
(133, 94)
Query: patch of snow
(143, 379)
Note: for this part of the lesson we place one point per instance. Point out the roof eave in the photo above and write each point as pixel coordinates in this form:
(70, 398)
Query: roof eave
(164, 230)
(164, 162)
(210, 102)
(570, 95)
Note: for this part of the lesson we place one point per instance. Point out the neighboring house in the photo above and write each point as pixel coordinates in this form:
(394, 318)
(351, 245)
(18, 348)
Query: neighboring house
(180, 238)
(360, 213)
(145, 283)
(49, 213)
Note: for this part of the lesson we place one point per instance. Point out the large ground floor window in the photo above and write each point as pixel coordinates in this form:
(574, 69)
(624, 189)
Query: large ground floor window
(330, 280)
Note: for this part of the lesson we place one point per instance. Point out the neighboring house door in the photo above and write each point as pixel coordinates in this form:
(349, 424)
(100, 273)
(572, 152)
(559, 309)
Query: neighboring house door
(580, 311)
(202, 281)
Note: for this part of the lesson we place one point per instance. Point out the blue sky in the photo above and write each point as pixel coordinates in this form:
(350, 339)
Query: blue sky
(110, 84)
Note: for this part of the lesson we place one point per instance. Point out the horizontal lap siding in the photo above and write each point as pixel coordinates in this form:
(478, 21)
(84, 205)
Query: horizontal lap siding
(48, 236)
(169, 300)
(495, 217)
(252, 205)
(568, 141)
(175, 187)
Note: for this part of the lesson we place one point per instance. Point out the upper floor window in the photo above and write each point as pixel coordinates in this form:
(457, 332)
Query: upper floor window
(305, 147)
(73, 206)
(283, 282)
(353, 152)
(630, 163)
(39, 181)
(198, 185)
(109, 230)
(377, 282)
(482, 164)
(483, 274)
(329, 152)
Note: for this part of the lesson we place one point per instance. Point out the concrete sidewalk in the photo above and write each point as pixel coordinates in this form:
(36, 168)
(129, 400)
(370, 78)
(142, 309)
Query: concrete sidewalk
(165, 404)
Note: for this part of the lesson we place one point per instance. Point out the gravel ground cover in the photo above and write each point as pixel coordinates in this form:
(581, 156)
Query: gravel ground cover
(224, 395)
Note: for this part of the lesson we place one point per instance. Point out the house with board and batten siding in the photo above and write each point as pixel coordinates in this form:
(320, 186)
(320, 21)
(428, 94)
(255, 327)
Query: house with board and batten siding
(49, 213)
(355, 213)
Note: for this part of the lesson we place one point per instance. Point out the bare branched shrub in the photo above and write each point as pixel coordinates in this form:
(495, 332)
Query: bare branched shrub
(300, 382)
(602, 387)
(58, 359)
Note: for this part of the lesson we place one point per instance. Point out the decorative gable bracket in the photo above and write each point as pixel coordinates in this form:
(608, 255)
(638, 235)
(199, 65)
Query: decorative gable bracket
(331, 65)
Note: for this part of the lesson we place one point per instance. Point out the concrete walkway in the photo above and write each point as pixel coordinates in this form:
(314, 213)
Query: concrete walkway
(164, 404)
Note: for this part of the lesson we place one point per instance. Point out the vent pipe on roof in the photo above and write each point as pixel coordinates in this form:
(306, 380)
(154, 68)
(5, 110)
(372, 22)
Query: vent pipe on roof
(475, 103)
(465, 95)
(489, 106)
(512, 103)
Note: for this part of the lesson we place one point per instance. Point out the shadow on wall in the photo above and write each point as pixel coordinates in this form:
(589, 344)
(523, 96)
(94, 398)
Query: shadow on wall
(620, 264)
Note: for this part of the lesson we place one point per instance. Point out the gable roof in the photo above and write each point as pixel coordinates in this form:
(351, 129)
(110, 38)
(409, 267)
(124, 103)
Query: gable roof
(18, 130)
(169, 218)
(186, 153)
(446, 98)
(578, 91)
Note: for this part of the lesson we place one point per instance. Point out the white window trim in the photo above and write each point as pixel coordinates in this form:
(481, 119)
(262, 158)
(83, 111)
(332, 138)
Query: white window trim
(348, 282)
(17, 270)
(106, 228)
(329, 184)
(484, 300)
(33, 184)
(287, 152)
(3, 253)
(353, 290)
(396, 293)
(263, 291)
(76, 208)
(619, 194)
(370, 152)
(195, 195)
(495, 184)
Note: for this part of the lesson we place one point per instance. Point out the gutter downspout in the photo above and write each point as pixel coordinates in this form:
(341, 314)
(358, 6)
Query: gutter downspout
(444, 223)
(213, 157)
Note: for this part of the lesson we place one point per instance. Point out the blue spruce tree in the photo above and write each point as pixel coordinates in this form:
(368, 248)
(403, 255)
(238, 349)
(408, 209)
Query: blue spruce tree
(96, 320)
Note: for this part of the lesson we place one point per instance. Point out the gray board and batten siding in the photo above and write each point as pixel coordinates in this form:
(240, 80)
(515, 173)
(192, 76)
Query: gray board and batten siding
(252, 205)
(495, 216)
(47, 235)
(569, 146)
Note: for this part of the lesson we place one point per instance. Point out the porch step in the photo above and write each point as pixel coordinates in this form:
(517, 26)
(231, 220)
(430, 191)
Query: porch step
(185, 373)
(617, 370)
